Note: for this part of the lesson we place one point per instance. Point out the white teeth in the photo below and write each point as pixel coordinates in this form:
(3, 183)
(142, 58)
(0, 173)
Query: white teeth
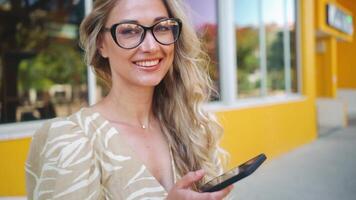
(147, 63)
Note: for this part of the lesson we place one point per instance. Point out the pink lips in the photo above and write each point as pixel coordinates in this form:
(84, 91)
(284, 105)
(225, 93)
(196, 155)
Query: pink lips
(148, 65)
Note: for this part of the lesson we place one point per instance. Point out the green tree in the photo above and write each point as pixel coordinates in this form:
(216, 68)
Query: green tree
(56, 64)
(247, 58)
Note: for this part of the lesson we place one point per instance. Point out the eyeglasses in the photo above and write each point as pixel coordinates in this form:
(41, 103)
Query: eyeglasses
(129, 35)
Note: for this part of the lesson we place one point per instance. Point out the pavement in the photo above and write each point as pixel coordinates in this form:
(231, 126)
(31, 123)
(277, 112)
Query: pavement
(322, 170)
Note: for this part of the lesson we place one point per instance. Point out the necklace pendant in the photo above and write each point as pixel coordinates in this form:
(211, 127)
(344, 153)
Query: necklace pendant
(143, 126)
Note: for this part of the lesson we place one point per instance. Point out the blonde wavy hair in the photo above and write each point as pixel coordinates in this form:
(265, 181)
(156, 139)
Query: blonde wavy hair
(192, 133)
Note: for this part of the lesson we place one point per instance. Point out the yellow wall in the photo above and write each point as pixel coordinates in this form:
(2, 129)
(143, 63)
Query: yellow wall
(326, 67)
(12, 174)
(272, 129)
(347, 54)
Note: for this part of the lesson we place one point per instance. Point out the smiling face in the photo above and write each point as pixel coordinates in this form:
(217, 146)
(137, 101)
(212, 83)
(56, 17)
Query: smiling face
(147, 64)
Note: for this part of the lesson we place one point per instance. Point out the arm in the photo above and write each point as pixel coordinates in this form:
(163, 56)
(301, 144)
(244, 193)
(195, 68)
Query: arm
(61, 165)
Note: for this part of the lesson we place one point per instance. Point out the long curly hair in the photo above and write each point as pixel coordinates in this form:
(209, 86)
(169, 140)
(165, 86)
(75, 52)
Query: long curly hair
(192, 133)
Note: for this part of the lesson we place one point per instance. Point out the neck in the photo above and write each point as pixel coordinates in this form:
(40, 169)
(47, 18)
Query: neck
(129, 106)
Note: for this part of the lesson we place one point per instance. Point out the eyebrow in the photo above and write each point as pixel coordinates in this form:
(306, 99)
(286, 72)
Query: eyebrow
(135, 21)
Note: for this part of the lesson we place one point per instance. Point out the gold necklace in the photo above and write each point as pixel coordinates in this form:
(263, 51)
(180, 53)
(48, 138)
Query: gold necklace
(143, 126)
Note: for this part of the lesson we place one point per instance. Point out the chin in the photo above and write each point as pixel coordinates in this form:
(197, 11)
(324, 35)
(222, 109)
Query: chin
(152, 82)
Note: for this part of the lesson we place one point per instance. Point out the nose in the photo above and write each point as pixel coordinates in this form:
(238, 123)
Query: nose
(149, 43)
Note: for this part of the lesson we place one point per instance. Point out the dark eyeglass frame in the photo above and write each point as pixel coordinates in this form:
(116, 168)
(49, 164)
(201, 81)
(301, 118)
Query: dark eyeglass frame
(112, 30)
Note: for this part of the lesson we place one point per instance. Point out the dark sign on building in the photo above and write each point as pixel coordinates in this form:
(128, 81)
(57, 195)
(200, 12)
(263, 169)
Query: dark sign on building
(339, 19)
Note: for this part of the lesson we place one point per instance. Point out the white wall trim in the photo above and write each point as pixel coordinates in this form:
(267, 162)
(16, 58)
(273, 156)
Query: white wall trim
(19, 130)
(13, 198)
(255, 102)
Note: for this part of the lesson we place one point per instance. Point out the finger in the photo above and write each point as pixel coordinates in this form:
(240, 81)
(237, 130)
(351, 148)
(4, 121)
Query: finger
(221, 194)
(191, 177)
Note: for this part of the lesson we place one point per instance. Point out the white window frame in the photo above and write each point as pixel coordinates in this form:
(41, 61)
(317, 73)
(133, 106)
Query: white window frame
(227, 49)
(228, 69)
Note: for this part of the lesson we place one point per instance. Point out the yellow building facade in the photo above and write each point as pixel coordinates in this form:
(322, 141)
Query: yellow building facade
(346, 68)
(274, 128)
(335, 66)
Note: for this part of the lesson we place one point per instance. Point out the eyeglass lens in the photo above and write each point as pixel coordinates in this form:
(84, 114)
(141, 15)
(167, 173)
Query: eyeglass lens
(131, 35)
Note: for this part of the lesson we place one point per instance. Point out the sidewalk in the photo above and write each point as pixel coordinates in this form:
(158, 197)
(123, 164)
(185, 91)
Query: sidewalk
(322, 170)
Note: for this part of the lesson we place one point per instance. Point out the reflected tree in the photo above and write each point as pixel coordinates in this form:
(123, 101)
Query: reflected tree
(208, 35)
(275, 63)
(30, 31)
(247, 56)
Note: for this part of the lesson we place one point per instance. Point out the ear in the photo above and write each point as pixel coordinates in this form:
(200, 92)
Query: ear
(101, 46)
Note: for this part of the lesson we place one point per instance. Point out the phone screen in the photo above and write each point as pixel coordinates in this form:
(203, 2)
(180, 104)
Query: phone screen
(234, 174)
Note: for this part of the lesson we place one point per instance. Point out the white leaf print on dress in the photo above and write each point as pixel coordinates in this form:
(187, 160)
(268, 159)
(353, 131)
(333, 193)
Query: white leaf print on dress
(144, 191)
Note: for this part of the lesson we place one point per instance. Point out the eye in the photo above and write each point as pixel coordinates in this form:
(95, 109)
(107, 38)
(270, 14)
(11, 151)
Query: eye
(128, 30)
(166, 26)
(162, 28)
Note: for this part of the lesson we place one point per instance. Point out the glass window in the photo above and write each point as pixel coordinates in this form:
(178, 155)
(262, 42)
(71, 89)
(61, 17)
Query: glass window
(204, 15)
(248, 50)
(272, 15)
(266, 47)
(42, 71)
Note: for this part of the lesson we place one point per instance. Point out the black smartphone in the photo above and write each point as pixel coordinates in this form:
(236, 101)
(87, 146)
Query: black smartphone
(234, 175)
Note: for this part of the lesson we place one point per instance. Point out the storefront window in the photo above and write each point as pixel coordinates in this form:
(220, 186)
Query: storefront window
(204, 15)
(247, 51)
(273, 24)
(41, 66)
(266, 47)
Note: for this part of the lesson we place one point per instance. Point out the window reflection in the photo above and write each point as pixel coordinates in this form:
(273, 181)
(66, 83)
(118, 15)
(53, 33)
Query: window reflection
(42, 73)
(273, 15)
(248, 51)
(204, 17)
(269, 25)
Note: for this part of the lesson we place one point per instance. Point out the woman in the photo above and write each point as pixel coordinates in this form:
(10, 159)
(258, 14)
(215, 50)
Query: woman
(148, 138)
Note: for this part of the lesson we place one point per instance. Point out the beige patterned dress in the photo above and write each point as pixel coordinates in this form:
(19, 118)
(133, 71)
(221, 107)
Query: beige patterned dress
(84, 157)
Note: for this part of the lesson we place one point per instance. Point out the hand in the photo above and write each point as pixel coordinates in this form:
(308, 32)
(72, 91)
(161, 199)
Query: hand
(181, 190)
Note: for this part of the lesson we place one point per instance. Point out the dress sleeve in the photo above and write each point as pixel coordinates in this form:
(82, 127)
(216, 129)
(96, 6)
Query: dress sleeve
(61, 164)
